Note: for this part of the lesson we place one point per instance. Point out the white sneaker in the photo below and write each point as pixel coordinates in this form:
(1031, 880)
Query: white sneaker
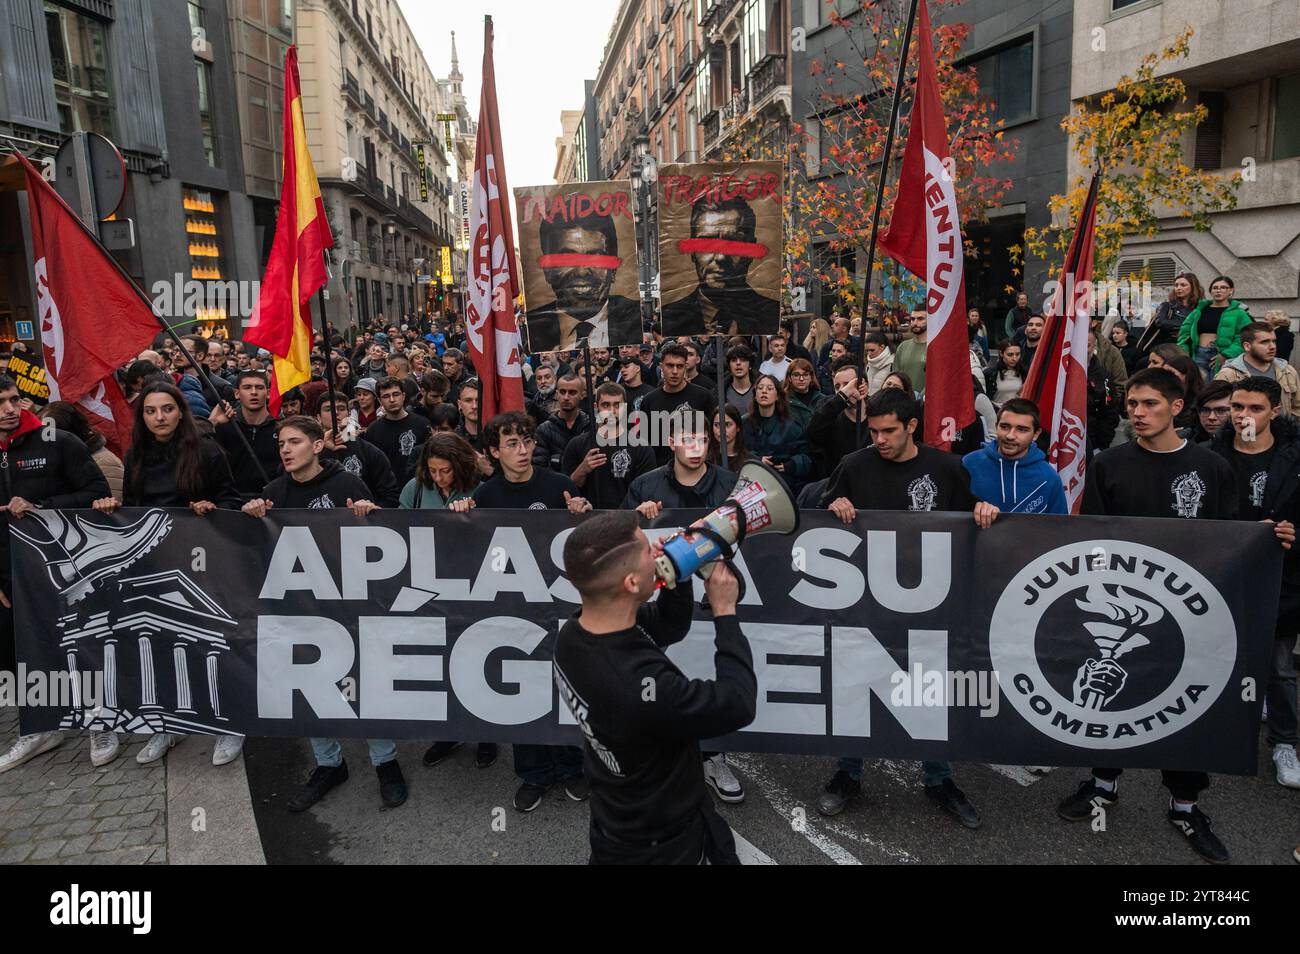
(158, 745)
(722, 780)
(104, 747)
(27, 747)
(227, 749)
(1288, 769)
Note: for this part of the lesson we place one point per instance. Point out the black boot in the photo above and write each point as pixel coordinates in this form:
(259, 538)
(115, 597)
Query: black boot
(392, 785)
(322, 779)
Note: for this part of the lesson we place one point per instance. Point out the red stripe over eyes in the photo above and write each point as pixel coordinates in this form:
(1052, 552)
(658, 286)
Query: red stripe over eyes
(709, 246)
(579, 260)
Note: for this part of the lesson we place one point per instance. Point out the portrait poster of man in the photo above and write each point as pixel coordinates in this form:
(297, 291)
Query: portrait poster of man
(720, 248)
(577, 246)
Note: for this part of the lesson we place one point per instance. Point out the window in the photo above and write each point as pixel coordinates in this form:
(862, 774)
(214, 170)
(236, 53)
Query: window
(259, 115)
(702, 87)
(691, 123)
(207, 130)
(812, 147)
(1006, 77)
(196, 16)
(79, 57)
(1286, 118)
(673, 151)
(754, 39)
(1117, 5)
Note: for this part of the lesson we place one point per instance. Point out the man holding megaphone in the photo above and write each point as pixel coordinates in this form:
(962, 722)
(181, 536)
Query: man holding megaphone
(642, 718)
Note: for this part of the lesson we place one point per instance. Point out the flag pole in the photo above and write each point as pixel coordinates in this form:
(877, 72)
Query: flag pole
(329, 362)
(899, 80)
(166, 327)
(591, 418)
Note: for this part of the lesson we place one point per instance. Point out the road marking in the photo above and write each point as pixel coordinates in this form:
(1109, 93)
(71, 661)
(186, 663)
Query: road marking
(1020, 774)
(748, 853)
(785, 806)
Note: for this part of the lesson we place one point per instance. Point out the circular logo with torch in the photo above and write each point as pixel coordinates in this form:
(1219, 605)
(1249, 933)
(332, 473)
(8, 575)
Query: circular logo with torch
(1111, 644)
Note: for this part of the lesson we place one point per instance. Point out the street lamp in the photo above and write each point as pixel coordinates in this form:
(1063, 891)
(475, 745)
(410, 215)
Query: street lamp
(645, 173)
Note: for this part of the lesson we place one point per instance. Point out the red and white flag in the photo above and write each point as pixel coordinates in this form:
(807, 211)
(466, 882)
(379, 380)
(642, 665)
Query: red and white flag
(924, 237)
(93, 319)
(1058, 378)
(490, 324)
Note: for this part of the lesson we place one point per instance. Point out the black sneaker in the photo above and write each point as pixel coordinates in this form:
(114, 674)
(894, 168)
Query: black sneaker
(392, 785)
(439, 751)
(838, 792)
(485, 755)
(1195, 825)
(1080, 805)
(529, 796)
(953, 801)
(322, 779)
(576, 788)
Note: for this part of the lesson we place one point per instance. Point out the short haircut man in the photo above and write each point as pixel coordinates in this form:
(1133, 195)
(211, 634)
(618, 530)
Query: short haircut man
(1024, 407)
(601, 551)
(1255, 329)
(1161, 380)
(893, 401)
(1258, 384)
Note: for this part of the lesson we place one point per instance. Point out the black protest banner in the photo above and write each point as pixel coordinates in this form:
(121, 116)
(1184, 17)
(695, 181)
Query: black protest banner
(1043, 640)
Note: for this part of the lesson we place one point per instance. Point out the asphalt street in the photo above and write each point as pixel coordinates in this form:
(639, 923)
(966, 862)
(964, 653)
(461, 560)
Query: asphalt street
(459, 814)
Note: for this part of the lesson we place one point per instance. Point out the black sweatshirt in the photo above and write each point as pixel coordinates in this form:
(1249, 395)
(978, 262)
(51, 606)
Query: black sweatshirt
(932, 480)
(1130, 481)
(333, 487)
(158, 485)
(365, 460)
(542, 491)
(648, 800)
(400, 441)
(689, 398)
(243, 466)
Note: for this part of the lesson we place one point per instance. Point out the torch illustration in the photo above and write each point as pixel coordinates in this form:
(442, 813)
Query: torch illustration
(1100, 680)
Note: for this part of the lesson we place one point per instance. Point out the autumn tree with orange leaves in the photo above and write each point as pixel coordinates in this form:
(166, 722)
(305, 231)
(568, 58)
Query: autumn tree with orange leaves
(832, 194)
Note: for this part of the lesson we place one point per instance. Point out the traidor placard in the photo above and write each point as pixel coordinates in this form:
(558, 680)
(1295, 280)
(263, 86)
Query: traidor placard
(1040, 641)
(720, 242)
(577, 248)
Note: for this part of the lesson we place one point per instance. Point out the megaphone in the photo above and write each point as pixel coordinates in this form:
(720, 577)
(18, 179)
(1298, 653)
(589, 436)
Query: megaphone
(759, 503)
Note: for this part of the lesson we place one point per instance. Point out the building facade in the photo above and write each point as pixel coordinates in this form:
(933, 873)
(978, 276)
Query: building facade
(566, 163)
(1244, 67)
(461, 137)
(159, 81)
(369, 102)
(1021, 51)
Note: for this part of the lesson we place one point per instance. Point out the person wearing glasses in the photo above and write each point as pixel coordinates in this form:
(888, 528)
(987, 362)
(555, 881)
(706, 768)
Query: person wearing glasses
(517, 485)
(1212, 411)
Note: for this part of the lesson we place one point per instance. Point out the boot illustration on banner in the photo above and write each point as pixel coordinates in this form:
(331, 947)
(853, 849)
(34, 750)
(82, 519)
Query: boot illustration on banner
(79, 553)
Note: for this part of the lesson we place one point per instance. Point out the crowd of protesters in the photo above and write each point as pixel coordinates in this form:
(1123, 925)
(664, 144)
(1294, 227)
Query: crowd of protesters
(839, 414)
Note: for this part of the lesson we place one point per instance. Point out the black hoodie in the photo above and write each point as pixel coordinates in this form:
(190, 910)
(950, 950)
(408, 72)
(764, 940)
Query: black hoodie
(332, 487)
(365, 460)
(243, 466)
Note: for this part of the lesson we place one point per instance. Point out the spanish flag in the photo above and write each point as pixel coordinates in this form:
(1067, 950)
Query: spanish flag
(281, 322)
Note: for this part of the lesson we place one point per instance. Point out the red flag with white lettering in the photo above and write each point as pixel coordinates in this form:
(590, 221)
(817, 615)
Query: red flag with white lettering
(493, 279)
(1058, 378)
(924, 237)
(93, 319)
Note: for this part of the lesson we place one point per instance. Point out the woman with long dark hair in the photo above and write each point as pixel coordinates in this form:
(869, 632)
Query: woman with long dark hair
(773, 436)
(446, 471)
(1178, 361)
(1211, 332)
(1184, 294)
(1003, 380)
(345, 377)
(737, 455)
(170, 465)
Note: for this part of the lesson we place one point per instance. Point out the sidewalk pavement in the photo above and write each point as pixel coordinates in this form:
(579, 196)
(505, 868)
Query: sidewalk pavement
(59, 809)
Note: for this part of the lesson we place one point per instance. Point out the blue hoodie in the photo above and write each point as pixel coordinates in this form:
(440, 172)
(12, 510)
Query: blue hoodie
(1027, 485)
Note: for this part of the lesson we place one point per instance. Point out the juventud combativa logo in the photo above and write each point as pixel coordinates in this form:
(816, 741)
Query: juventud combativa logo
(1111, 644)
(76, 907)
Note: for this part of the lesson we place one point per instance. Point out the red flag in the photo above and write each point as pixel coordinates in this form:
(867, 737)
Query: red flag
(493, 278)
(281, 322)
(93, 319)
(925, 238)
(1058, 378)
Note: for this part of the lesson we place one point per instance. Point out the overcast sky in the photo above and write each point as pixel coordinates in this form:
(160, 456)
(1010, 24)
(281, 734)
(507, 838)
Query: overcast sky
(543, 50)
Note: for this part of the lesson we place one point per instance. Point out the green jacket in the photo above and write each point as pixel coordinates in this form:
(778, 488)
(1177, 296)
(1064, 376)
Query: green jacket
(1228, 343)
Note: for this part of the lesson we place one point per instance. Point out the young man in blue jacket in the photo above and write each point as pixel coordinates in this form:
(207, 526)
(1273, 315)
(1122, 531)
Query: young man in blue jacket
(1010, 471)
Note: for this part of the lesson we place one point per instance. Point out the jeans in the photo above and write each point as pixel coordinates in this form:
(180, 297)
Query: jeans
(1281, 694)
(932, 773)
(547, 764)
(1183, 786)
(329, 753)
(1205, 358)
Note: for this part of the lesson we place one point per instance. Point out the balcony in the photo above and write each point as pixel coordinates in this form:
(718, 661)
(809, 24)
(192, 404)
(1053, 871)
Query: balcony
(350, 86)
(383, 122)
(712, 127)
(766, 77)
(712, 13)
(640, 55)
(666, 13)
(368, 105)
(685, 63)
(652, 35)
(734, 108)
(656, 104)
